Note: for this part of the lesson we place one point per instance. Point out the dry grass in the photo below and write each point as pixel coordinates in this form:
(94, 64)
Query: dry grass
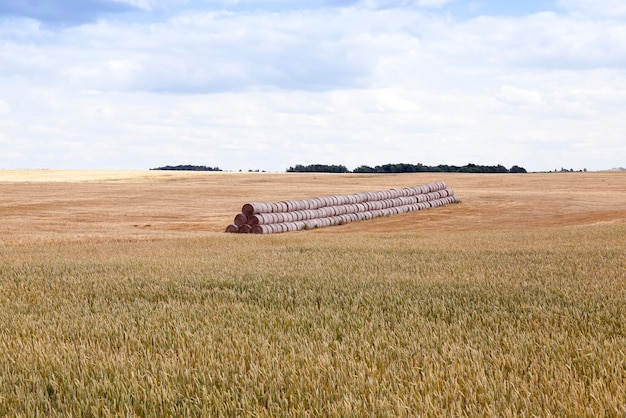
(508, 304)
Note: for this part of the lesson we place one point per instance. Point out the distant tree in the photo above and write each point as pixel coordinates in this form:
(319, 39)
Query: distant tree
(408, 168)
(318, 168)
(364, 169)
(187, 168)
(517, 169)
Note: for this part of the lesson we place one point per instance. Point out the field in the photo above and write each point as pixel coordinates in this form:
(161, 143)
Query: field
(120, 295)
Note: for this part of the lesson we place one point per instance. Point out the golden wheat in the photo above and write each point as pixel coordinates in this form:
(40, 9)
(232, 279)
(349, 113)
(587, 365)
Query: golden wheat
(499, 323)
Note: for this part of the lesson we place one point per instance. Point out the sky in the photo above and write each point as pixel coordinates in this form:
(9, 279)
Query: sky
(269, 84)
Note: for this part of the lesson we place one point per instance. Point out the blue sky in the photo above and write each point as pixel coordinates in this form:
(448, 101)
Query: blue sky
(244, 84)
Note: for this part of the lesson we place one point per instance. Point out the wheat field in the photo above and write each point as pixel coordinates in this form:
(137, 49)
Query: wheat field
(120, 295)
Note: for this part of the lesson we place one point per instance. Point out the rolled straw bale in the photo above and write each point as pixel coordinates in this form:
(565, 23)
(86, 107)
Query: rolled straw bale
(362, 197)
(260, 229)
(250, 209)
(241, 219)
(309, 204)
(277, 217)
(343, 209)
(291, 205)
(257, 219)
(232, 229)
(312, 214)
(290, 215)
(340, 200)
(244, 229)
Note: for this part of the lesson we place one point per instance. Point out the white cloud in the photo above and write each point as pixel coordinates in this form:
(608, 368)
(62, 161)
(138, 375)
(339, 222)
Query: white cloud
(604, 8)
(517, 96)
(348, 85)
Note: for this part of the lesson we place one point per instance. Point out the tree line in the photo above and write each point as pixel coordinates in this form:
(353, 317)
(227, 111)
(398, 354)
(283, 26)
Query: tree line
(187, 167)
(406, 168)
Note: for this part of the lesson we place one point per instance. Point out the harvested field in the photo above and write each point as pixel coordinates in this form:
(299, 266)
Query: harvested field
(121, 295)
(51, 204)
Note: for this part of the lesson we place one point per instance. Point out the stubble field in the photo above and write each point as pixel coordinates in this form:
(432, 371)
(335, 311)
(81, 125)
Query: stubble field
(120, 295)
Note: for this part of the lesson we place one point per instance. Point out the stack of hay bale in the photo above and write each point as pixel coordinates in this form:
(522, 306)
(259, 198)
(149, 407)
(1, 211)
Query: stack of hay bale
(295, 215)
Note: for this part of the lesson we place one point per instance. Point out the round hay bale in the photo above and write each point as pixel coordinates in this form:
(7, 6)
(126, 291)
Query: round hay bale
(245, 229)
(250, 209)
(241, 219)
(232, 229)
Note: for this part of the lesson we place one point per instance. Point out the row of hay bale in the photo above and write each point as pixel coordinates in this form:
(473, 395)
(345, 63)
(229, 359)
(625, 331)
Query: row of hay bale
(295, 215)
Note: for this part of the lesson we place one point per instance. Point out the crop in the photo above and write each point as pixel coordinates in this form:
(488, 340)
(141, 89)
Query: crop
(449, 323)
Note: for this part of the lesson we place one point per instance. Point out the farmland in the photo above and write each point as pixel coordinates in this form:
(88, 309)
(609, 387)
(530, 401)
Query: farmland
(121, 295)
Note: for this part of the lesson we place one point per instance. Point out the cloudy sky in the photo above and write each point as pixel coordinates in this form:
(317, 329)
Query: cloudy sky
(268, 84)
